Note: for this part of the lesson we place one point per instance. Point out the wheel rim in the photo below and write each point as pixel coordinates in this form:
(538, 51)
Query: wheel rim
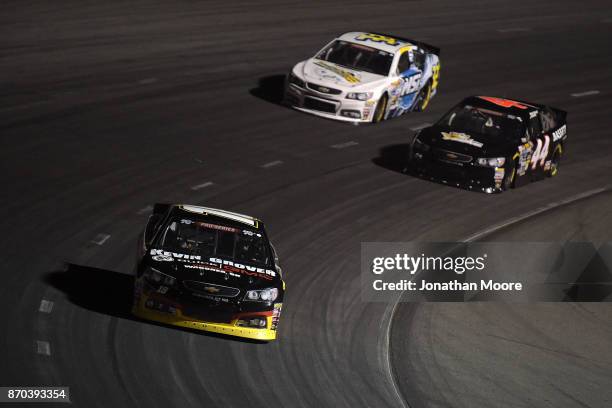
(425, 101)
(510, 179)
(554, 168)
(554, 164)
(380, 109)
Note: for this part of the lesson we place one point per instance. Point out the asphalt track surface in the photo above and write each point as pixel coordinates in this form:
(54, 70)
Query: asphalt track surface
(109, 107)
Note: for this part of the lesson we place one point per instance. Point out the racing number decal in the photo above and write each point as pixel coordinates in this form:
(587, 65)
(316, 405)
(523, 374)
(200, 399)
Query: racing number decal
(410, 84)
(540, 153)
(435, 76)
(377, 38)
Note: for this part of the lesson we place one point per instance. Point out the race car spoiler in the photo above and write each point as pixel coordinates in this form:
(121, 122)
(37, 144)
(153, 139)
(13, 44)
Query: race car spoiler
(427, 47)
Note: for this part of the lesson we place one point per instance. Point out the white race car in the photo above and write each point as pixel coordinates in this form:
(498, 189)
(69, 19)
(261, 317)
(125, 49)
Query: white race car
(365, 77)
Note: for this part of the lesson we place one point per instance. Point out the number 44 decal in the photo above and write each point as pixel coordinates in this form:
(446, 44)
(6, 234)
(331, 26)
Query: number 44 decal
(540, 153)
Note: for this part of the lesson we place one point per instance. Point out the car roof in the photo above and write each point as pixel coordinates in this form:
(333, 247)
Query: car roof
(511, 106)
(228, 215)
(384, 42)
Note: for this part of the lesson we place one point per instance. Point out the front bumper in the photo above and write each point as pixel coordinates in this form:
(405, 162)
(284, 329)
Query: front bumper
(335, 107)
(467, 176)
(157, 308)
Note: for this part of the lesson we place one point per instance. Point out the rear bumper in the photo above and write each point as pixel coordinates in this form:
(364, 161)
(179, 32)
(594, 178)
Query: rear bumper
(328, 106)
(175, 317)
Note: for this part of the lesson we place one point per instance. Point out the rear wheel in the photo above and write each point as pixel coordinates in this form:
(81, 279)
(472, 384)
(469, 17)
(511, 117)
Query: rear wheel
(381, 109)
(554, 162)
(423, 98)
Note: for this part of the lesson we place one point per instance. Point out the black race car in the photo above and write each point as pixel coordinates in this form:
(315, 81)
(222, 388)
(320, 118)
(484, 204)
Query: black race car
(208, 269)
(491, 144)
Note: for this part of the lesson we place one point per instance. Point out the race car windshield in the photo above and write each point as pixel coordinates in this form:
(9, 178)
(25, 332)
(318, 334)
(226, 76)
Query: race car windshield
(358, 57)
(471, 119)
(207, 239)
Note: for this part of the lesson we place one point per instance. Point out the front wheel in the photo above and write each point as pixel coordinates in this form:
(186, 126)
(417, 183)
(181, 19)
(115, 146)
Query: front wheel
(510, 176)
(381, 109)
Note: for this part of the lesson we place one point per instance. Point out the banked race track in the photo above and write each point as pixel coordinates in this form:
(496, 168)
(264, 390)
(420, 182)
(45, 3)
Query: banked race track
(109, 107)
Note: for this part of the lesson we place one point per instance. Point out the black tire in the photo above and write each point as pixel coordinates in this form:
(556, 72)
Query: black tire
(509, 177)
(381, 109)
(423, 98)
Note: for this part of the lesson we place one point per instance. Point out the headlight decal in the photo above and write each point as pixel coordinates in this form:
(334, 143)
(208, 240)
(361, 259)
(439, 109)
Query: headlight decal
(156, 277)
(491, 161)
(360, 96)
(262, 295)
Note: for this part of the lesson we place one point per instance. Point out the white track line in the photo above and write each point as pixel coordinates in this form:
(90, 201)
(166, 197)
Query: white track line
(483, 233)
(344, 145)
(513, 30)
(147, 81)
(46, 306)
(201, 186)
(271, 164)
(421, 126)
(535, 212)
(586, 93)
(43, 347)
(145, 210)
(387, 345)
(100, 239)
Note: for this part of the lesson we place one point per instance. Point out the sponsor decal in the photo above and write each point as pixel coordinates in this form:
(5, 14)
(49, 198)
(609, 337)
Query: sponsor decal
(212, 264)
(461, 138)
(165, 256)
(498, 177)
(347, 75)
(559, 133)
(524, 154)
(377, 38)
(411, 83)
(241, 268)
(276, 315)
(504, 103)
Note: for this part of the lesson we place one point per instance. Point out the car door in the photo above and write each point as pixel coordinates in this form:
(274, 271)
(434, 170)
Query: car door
(541, 145)
(410, 81)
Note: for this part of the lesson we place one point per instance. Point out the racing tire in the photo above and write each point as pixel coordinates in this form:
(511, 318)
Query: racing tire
(423, 98)
(554, 163)
(509, 178)
(381, 109)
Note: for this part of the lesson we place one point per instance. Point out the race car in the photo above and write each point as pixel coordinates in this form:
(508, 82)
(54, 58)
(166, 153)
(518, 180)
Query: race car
(208, 269)
(365, 77)
(491, 144)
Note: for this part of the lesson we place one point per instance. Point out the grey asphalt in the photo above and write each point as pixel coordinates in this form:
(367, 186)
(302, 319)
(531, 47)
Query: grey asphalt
(109, 107)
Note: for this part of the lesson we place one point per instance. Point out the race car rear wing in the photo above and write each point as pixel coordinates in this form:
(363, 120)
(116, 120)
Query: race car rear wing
(427, 47)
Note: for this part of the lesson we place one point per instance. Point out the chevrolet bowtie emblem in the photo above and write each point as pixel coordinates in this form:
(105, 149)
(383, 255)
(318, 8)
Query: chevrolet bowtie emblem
(211, 289)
